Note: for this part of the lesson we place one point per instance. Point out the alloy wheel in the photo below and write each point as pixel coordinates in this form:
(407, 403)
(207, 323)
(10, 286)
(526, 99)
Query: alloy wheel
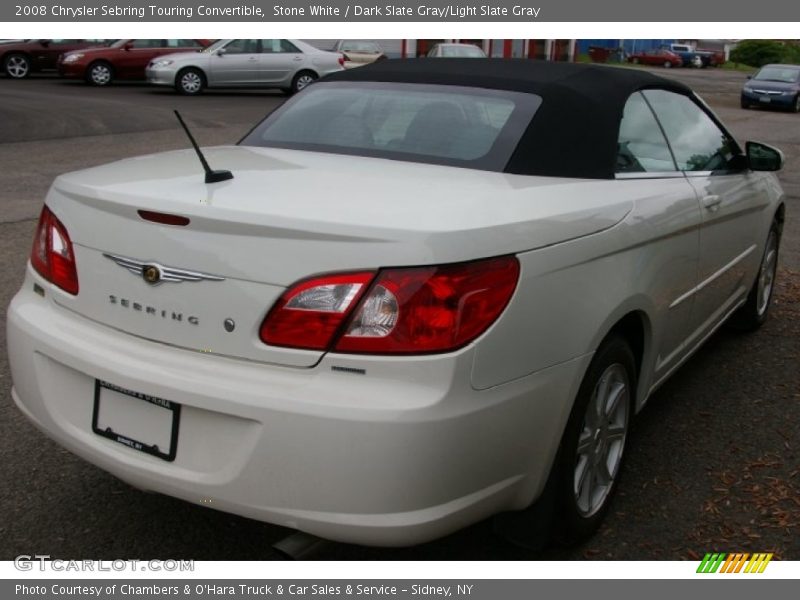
(766, 275)
(17, 67)
(602, 440)
(303, 81)
(191, 82)
(100, 74)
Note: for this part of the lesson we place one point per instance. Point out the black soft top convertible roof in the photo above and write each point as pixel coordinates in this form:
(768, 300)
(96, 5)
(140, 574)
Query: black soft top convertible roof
(573, 133)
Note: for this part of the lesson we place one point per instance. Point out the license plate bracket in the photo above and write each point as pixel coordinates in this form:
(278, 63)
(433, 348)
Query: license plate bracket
(157, 419)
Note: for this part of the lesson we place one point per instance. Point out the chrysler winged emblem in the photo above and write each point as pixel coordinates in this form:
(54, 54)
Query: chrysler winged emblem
(154, 273)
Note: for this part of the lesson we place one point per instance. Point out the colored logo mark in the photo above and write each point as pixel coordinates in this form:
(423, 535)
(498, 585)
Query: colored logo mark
(719, 562)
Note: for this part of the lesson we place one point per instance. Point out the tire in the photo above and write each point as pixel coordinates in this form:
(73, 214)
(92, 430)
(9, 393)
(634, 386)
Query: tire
(100, 73)
(592, 449)
(744, 104)
(190, 81)
(796, 105)
(302, 80)
(754, 312)
(667, 64)
(635, 61)
(17, 66)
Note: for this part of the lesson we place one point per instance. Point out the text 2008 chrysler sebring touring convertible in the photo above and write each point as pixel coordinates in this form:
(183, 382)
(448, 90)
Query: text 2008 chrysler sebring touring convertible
(431, 292)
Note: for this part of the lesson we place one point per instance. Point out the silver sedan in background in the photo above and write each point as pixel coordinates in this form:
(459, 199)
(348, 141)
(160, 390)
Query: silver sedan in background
(357, 53)
(456, 51)
(289, 65)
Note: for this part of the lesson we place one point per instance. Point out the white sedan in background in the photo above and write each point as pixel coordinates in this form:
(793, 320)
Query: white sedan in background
(289, 65)
(432, 292)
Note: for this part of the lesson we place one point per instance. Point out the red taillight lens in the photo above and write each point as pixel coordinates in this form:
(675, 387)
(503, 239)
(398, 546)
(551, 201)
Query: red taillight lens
(342, 58)
(309, 314)
(405, 311)
(52, 255)
(430, 309)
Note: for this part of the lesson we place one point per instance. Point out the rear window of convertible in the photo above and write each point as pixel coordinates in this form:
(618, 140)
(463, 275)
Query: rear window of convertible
(438, 124)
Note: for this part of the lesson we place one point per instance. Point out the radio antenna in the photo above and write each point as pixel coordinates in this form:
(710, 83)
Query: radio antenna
(211, 175)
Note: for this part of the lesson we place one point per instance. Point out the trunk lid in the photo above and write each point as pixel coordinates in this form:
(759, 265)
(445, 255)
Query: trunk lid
(286, 216)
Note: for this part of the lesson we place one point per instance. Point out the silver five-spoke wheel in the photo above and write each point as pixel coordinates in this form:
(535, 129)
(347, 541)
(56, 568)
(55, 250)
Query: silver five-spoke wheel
(601, 440)
(766, 275)
(17, 66)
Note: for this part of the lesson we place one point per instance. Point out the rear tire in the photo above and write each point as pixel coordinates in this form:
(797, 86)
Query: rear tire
(302, 80)
(796, 105)
(100, 73)
(635, 60)
(17, 66)
(592, 449)
(754, 312)
(190, 81)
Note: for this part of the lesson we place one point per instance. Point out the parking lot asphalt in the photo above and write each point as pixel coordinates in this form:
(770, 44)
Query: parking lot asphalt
(713, 460)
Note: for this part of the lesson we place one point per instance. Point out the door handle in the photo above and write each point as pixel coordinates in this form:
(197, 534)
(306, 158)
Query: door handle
(252, 59)
(297, 58)
(712, 202)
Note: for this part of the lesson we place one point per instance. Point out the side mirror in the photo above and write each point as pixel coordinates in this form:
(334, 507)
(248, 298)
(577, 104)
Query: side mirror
(221, 52)
(761, 157)
(44, 43)
(749, 76)
(128, 46)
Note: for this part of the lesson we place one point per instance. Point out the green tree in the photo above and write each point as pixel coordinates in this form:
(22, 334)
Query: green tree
(758, 53)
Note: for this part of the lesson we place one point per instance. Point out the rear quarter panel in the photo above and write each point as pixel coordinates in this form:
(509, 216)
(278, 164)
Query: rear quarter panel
(571, 294)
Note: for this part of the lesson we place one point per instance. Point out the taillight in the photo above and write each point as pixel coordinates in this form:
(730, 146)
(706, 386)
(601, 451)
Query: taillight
(417, 310)
(309, 313)
(342, 58)
(52, 255)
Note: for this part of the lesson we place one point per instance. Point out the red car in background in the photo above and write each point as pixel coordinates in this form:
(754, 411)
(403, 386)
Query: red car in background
(124, 59)
(660, 57)
(20, 58)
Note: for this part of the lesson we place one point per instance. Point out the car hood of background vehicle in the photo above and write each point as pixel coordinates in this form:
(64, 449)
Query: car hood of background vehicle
(345, 212)
(772, 86)
(90, 52)
(195, 56)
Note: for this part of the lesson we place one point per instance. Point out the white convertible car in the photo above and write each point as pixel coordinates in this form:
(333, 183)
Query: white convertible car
(432, 292)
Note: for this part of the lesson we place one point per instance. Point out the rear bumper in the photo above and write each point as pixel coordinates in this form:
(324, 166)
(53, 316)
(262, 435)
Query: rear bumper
(406, 453)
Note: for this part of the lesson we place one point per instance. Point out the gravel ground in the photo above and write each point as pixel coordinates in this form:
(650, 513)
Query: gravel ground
(713, 459)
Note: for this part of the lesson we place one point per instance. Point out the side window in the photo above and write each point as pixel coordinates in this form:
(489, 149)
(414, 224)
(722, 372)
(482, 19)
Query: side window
(696, 141)
(287, 46)
(278, 47)
(641, 146)
(143, 44)
(183, 44)
(242, 47)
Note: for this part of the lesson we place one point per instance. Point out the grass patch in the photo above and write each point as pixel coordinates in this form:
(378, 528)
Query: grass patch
(732, 66)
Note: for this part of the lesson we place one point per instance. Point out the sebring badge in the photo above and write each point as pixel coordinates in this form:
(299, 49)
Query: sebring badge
(154, 273)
